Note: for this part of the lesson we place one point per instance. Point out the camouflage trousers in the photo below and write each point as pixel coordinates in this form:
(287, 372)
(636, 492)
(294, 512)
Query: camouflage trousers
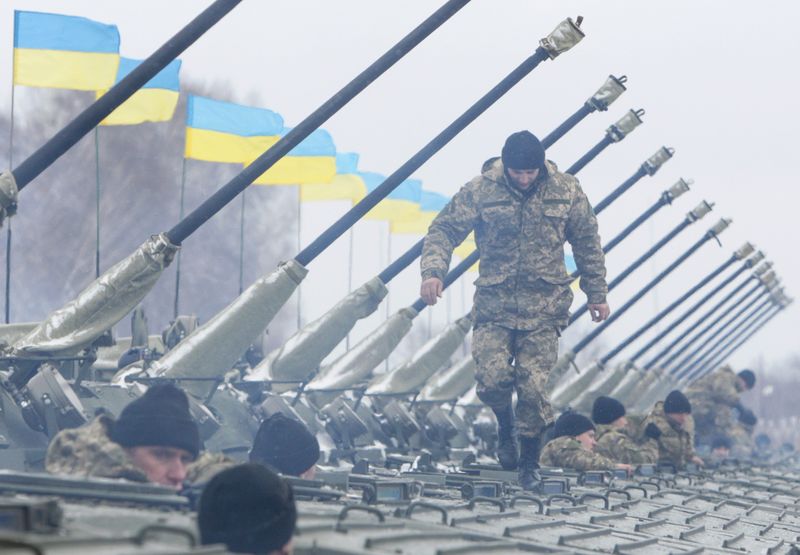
(520, 360)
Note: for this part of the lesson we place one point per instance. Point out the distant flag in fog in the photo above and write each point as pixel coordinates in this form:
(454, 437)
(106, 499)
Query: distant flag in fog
(64, 52)
(345, 185)
(312, 161)
(401, 204)
(155, 101)
(430, 204)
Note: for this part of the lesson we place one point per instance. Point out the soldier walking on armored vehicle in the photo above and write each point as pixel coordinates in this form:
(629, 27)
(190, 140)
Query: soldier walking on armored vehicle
(713, 399)
(522, 210)
(154, 440)
(615, 438)
(574, 446)
(670, 425)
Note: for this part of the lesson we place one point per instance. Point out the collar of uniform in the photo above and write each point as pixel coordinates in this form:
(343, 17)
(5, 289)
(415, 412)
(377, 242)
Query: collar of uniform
(493, 170)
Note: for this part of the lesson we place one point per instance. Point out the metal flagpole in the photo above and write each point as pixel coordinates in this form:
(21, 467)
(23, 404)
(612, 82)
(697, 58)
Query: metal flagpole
(241, 245)
(8, 229)
(299, 246)
(97, 201)
(178, 260)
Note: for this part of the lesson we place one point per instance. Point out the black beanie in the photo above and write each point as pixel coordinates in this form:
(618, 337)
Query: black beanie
(677, 403)
(606, 410)
(159, 417)
(523, 151)
(285, 444)
(749, 378)
(571, 424)
(721, 441)
(248, 508)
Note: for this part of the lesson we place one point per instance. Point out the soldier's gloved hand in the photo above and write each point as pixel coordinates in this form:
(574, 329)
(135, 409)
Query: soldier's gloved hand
(626, 467)
(652, 431)
(599, 312)
(698, 461)
(431, 290)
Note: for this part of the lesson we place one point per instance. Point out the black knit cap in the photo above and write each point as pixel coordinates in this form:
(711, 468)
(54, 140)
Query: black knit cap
(571, 424)
(677, 403)
(285, 444)
(248, 508)
(160, 417)
(523, 151)
(606, 410)
(721, 441)
(749, 378)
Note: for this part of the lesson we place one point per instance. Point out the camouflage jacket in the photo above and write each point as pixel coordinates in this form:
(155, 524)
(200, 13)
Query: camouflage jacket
(619, 446)
(712, 398)
(675, 444)
(523, 282)
(89, 452)
(567, 452)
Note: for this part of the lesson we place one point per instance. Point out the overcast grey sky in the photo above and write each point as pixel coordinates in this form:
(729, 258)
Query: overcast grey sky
(718, 80)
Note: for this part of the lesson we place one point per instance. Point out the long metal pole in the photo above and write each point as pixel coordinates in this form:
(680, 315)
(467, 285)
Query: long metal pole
(87, 120)
(736, 304)
(689, 312)
(694, 367)
(581, 163)
(8, 230)
(176, 306)
(707, 236)
(666, 311)
(295, 136)
(567, 125)
(679, 367)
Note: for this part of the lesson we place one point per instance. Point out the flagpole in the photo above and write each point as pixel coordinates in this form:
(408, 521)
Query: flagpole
(299, 247)
(241, 245)
(97, 201)
(8, 225)
(178, 261)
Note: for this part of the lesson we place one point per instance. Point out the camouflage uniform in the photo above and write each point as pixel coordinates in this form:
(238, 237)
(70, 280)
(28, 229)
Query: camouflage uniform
(89, 452)
(567, 452)
(676, 444)
(522, 295)
(616, 444)
(713, 397)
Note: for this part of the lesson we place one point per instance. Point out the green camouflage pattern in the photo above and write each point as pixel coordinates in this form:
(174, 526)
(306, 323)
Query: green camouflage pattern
(713, 398)
(520, 360)
(89, 452)
(568, 452)
(523, 283)
(618, 445)
(675, 444)
(207, 466)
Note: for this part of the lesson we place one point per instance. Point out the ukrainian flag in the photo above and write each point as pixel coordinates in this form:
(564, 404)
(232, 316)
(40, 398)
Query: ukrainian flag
(429, 204)
(218, 131)
(155, 101)
(312, 161)
(64, 52)
(346, 184)
(402, 204)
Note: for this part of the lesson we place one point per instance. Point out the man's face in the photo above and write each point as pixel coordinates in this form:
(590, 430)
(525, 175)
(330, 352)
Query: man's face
(741, 385)
(587, 440)
(162, 465)
(620, 422)
(677, 418)
(523, 178)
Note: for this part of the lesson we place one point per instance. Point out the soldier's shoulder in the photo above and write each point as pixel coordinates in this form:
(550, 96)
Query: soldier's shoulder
(563, 182)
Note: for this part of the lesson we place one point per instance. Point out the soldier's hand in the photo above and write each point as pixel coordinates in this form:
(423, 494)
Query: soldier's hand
(626, 467)
(599, 312)
(652, 431)
(698, 461)
(431, 290)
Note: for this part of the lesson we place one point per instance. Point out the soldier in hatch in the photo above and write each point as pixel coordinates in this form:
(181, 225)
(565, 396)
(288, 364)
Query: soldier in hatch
(670, 425)
(573, 446)
(713, 398)
(154, 440)
(615, 439)
(523, 210)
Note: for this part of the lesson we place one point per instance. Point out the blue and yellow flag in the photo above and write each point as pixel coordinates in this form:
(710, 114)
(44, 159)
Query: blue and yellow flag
(155, 101)
(402, 204)
(346, 184)
(312, 161)
(430, 204)
(218, 131)
(64, 52)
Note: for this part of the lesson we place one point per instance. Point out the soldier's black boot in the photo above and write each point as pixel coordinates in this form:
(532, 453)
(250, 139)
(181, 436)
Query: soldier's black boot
(529, 462)
(507, 451)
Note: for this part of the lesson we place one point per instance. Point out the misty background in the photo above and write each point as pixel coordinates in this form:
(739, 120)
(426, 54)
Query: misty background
(715, 77)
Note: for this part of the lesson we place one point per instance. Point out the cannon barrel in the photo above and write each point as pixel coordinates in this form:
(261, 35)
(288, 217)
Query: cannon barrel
(614, 134)
(449, 383)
